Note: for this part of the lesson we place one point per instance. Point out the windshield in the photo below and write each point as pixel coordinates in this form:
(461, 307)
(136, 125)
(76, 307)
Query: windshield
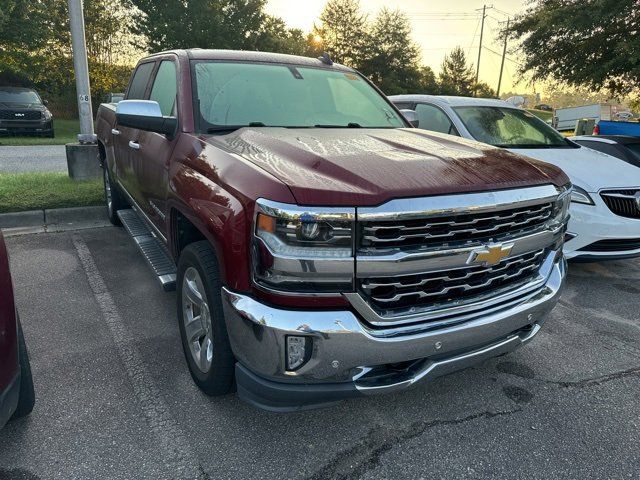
(509, 128)
(19, 96)
(247, 94)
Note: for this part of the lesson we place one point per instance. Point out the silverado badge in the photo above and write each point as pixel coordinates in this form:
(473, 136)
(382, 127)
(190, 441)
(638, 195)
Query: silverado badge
(490, 255)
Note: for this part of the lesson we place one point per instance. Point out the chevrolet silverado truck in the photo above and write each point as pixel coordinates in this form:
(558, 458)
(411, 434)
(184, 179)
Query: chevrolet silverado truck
(321, 247)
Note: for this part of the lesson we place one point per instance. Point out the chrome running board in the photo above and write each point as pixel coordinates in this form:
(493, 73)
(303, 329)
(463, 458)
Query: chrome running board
(151, 247)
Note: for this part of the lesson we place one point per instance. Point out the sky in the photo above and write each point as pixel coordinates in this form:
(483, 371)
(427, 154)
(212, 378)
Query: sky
(438, 27)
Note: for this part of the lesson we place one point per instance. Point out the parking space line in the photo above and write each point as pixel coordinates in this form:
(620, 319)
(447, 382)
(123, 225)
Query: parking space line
(179, 455)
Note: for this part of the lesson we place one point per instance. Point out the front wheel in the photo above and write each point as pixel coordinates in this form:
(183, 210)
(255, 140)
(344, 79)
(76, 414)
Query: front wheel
(113, 198)
(201, 320)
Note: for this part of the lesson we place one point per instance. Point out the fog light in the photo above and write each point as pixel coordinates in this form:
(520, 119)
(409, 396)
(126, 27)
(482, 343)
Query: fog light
(298, 351)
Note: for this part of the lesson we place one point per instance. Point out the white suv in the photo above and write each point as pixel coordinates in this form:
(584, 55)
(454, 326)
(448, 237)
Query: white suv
(605, 208)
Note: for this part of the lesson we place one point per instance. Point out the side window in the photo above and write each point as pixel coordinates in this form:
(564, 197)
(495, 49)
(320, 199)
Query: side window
(165, 88)
(404, 106)
(607, 148)
(140, 81)
(432, 118)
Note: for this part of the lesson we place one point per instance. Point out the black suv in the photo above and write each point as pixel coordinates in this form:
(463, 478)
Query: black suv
(22, 111)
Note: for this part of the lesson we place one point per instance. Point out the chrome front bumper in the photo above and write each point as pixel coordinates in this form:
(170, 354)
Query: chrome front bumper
(348, 355)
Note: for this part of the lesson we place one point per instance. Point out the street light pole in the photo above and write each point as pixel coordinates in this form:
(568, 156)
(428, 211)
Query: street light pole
(81, 68)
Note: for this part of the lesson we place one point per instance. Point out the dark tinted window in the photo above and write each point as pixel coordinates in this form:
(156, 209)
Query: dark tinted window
(607, 148)
(165, 88)
(140, 81)
(634, 148)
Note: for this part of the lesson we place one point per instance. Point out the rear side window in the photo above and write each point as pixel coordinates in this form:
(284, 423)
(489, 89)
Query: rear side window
(165, 88)
(434, 119)
(140, 81)
(607, 148)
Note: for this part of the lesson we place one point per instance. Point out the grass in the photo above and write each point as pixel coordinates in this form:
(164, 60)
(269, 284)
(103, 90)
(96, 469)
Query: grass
(34, 191)
(66, 131)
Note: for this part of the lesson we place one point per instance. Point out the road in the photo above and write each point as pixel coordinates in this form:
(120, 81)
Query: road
(37, 158)
(115, 399)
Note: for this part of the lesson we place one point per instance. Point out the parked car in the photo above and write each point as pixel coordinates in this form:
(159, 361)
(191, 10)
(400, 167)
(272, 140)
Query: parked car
(624, 116)
(22, 111)
(17, 396)
(620, 146)
(325, 249)
(617, 128)
(603, 225)
(544, 107)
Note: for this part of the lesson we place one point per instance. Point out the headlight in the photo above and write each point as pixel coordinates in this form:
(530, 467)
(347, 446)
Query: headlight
(561, 206)
(47, 115)
(303, 249)
(580, 195)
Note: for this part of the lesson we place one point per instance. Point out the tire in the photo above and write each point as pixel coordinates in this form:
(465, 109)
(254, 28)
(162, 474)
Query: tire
(27, 398)
(206, 345)
(51, 134)
(113, 198)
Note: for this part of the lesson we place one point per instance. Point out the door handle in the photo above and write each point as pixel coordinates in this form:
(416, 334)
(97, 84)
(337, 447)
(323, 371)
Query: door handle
(134, 145)
(115, 132)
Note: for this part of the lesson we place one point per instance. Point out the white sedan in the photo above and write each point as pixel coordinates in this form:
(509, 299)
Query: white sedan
(605, 208)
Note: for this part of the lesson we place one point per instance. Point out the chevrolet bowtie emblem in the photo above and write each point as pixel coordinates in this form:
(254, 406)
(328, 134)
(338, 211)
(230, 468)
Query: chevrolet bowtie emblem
(490, 255)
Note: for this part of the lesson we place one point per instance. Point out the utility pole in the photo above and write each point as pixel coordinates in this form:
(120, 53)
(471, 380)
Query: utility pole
(82, 157)
(484, 15)
(81, 68)
(504, 56)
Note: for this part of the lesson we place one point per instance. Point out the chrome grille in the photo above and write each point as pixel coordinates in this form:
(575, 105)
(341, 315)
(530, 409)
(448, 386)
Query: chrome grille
(20, 114)
(388, 295)
(625, 203)
(454, 230)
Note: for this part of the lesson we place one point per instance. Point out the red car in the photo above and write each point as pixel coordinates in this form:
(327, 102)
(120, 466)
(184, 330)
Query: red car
(16, 385)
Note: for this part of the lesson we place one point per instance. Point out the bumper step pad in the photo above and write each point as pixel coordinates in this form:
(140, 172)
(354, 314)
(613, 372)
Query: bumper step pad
(152, 249)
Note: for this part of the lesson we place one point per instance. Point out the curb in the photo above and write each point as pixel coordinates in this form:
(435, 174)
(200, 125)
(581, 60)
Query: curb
(53, 220)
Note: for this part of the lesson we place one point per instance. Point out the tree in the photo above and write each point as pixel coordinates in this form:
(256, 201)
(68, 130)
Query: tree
(391, 58)
(43, 55)
(231, 24)
(483, 90)
(427, 82)
(275, 36)
(594, 43)
(456, 77)
(342, 31)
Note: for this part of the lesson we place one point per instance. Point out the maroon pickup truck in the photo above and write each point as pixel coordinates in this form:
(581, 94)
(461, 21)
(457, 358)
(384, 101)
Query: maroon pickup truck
(321, 247)
(17, 396)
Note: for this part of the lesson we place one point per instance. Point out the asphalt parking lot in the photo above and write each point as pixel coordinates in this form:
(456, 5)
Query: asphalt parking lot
(115, 399)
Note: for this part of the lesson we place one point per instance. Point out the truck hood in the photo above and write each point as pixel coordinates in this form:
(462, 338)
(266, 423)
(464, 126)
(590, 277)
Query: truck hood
(587, 168)
(351, 166)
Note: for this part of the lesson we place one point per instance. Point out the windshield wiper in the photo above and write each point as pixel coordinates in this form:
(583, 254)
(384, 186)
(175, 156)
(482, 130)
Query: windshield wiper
(231, 128)
(348, 125)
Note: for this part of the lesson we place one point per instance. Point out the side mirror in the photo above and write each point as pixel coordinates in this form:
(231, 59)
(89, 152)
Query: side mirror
(145, 115)
(45, 102)
(410, 116)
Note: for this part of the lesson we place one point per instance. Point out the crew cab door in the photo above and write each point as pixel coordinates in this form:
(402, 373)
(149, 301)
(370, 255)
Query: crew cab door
(153, 150)
(125, 154)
